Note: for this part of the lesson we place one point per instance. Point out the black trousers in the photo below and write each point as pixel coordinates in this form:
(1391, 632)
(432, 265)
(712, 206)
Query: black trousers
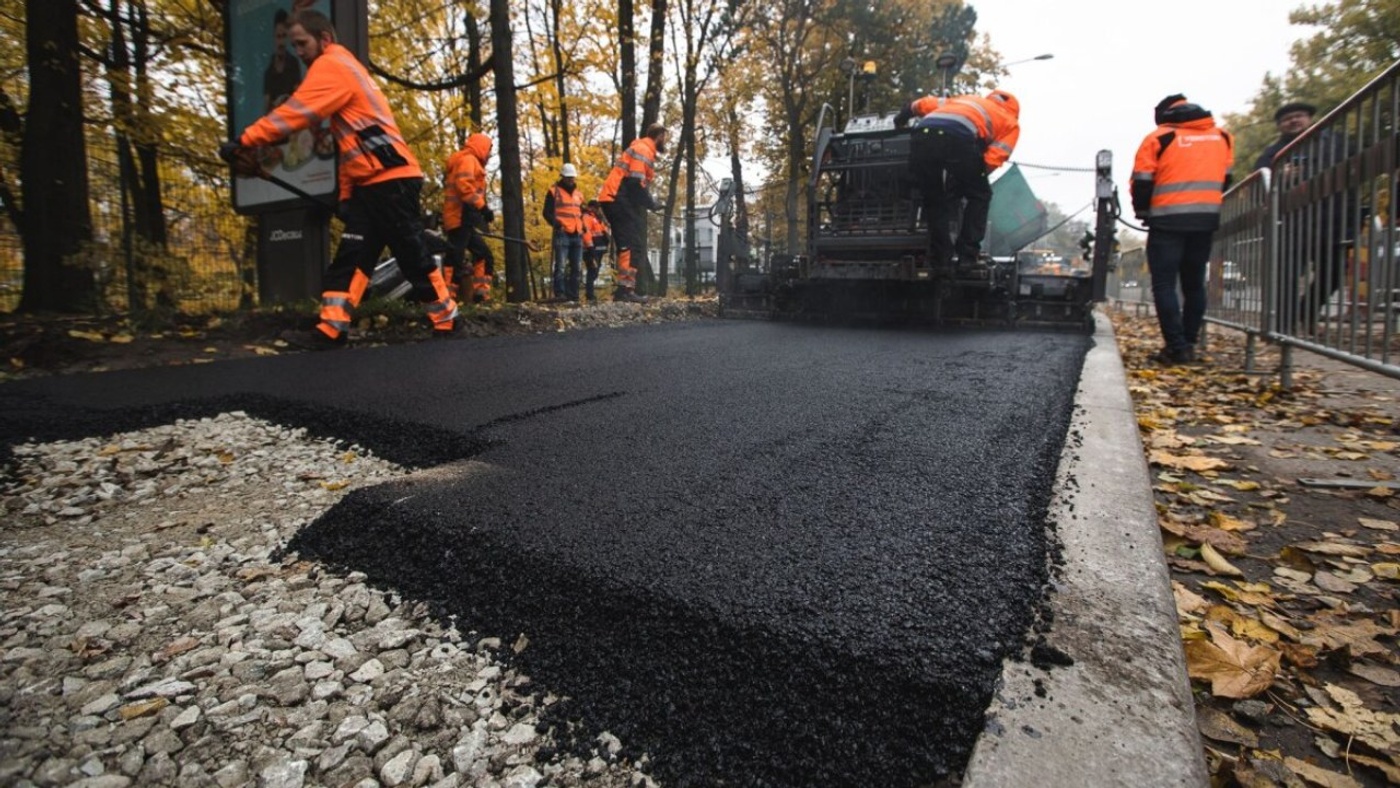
(380, 215)
(948, 167)
(629, 232)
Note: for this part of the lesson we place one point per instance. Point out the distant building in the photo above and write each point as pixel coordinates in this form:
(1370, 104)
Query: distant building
(706, 239)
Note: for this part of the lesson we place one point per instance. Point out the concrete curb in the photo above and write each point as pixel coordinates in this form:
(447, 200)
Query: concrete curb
(1122, 714)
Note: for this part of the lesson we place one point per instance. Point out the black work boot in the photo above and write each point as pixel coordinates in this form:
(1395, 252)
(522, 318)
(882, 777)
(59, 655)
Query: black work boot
(315, 339)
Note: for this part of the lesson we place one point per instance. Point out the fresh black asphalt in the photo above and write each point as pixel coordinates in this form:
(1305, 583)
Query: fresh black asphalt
(764, 554)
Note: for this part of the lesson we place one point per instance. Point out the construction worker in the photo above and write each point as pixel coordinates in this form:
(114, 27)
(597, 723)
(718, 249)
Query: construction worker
(563, 209)
(625, 199)
(380, 181)
(595, 246)
(465, 215)
(1180, 174)
(955, 145)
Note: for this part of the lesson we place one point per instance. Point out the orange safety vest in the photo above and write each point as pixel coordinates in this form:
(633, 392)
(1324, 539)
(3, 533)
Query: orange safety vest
(466, 180)
(992, 122)
(638, 161)
(593, 230)
(336, 86)
(1184, 164)
(568, 209)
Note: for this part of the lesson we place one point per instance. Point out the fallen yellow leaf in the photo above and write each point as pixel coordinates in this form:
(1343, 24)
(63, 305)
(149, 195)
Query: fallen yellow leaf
(1227, 523)
(1217, 562)
(333, 486)
(1375, 728)
(1320, 776)
(1190, 462)
(1240, 625)
(1387, 570)
(1188, 602)
(1234, 668)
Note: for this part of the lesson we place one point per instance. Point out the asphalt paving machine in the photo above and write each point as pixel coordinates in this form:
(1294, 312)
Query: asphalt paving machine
(866, 256)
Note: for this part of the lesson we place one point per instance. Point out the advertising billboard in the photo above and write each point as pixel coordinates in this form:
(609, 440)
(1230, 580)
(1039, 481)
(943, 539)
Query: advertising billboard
(263, 71)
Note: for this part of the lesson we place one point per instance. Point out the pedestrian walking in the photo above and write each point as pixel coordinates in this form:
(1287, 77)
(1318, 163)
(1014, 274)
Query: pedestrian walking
(955, 145)
(1180, 175)
(465, 215)
(563, 210)
(626, 199)
(380, 181)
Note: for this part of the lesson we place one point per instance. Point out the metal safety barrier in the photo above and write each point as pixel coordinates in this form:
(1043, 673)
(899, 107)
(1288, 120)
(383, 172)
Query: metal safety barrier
(1308, 252)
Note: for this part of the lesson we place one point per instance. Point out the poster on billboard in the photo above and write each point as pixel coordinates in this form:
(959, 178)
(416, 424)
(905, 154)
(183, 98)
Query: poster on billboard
(264, 71)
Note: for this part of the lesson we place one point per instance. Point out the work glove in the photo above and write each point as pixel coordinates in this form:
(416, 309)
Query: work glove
(342, 211)
(243, 160)
(488, 215)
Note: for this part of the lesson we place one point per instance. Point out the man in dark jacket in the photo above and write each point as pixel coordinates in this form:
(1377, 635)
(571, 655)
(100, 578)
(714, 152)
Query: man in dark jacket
(1314, 242)
(1292, 119)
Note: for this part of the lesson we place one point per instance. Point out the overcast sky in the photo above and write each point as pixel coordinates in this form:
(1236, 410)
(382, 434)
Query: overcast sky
(1114, 60)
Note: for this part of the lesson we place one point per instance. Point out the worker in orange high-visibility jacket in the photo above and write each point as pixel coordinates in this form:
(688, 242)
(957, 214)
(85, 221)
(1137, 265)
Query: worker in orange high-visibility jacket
(956, 143)
(465, 215)
(563, 209)
(380, 181)
(625, 199)
(595, 246)
(1180, 174)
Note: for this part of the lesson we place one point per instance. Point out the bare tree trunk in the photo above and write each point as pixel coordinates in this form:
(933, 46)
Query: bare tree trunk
(508, 126)
(656, 52)
(53, 165)
(672, 186)
(796, 157)
(556, 7)
(692, 254)
(736, 171)
(473, 87)
(627, 44)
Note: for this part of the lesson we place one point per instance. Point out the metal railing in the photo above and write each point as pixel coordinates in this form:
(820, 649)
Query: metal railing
(1308, 252)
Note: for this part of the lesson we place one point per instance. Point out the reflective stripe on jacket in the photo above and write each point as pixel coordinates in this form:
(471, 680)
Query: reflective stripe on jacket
(568, 209)
(637, 162)
(1179, 175)
(338, 87)
(990, 121)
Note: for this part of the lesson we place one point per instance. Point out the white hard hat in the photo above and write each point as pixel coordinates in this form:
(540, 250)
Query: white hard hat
(569, 171)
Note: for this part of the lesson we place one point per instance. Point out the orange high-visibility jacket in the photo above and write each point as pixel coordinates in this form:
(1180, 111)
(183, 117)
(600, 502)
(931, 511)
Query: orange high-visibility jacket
(638, 162)
(992, 121)
(1180, 175)
(466, 180)
(593, 230)
(336, 86)
(567, 209)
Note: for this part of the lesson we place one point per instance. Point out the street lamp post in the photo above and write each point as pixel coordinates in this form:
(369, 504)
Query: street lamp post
(946, 63)
(852, 69)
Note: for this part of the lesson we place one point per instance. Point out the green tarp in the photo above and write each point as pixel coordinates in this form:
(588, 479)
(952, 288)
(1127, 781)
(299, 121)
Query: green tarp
(1016, 217)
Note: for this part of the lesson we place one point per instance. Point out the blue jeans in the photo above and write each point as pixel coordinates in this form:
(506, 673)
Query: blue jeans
(568, 255)
(1179, 258)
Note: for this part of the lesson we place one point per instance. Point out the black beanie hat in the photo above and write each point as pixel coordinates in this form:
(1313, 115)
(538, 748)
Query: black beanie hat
(1162, 106)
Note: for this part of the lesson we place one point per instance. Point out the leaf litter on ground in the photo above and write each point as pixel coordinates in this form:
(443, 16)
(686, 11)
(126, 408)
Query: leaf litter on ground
(1281, 601)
